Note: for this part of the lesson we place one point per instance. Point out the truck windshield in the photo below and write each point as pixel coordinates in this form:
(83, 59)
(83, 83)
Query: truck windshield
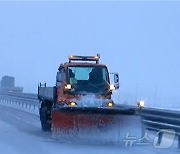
(89, 79)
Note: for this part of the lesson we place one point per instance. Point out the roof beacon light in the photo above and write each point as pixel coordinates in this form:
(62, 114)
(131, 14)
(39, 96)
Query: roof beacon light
(85, 58)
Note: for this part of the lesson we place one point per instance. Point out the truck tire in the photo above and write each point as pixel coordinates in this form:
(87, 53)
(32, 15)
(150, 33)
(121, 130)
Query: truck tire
(45, 118)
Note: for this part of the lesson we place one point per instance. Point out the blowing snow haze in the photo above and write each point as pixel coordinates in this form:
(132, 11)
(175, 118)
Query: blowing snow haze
(139, 40)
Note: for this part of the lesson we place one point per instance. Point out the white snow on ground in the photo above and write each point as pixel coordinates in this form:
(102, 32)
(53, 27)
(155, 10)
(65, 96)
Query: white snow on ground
(13, 141)
(20, 133)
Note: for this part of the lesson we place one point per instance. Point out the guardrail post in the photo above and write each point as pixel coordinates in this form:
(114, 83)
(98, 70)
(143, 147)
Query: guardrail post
(160, 135)
(144, 130)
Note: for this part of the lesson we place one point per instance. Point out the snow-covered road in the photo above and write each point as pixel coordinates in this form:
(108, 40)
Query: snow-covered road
(20, 133)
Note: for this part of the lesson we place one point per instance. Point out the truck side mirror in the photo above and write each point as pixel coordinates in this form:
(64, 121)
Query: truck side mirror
(116, 80)
(114, 77)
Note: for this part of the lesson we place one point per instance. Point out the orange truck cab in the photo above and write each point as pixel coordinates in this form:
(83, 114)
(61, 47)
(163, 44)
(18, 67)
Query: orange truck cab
(82, 86)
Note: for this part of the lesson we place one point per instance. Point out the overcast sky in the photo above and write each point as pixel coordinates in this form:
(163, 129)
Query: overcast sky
(139, 40)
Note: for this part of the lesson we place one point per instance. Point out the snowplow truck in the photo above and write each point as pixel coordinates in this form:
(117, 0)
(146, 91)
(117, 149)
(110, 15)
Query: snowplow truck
(80, 103)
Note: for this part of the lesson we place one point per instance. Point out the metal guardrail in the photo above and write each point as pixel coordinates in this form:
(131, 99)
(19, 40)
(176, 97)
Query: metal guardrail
(21, 95)
(161, 121)
(25, 100)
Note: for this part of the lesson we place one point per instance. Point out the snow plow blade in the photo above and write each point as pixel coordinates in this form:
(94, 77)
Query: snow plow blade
(95, 124)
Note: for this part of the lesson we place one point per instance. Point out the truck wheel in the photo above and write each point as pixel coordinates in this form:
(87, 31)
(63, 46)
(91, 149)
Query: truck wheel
(45, 118)
(45, 126)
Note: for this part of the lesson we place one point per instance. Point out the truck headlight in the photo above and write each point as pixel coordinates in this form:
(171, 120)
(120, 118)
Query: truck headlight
(112, 87)
(110, 104)
(68, 87)
(72, 104)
